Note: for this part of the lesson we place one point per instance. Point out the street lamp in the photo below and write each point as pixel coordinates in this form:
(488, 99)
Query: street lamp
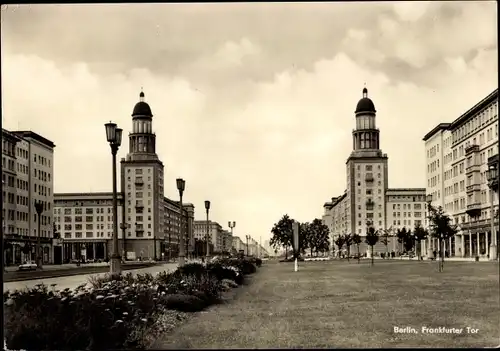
(207, 208)
(428, 199)
(231, 226)
(181, 185)
(39, 210)
(114, 138)
(492, 177)
(248, 238)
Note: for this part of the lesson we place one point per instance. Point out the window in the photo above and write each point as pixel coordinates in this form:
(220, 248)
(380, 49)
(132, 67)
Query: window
(89, 218)
(89, 210)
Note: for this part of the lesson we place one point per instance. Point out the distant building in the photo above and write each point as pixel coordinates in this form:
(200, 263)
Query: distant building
(27, 177)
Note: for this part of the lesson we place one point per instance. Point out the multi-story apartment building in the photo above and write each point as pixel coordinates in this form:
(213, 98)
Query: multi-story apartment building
(27, 175)
(368, 200)
(227, 241)
(215, 233)
(458, 155)
(171, 227)
(238, 244)
(85, 222)
(405, 209)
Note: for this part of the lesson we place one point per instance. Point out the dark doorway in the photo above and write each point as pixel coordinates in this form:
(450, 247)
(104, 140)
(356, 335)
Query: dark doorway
(58, 255)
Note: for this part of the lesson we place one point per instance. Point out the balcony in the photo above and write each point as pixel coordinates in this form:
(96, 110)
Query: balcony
(474, 210)
(138, 181)
(369, 178)
(139, 205)
(473, 187)
(471, 149)
(472, 168)
(370, 205)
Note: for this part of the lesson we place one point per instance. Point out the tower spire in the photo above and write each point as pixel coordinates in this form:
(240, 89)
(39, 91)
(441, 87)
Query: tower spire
(141, 96)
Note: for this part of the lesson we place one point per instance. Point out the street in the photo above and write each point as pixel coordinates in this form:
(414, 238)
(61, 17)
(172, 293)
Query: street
(75, 280)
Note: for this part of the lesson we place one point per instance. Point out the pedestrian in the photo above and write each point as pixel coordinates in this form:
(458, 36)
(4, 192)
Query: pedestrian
(434, 253)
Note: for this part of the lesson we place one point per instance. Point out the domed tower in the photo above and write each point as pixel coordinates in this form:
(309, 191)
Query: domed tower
(367, 173)
(142, 138)
(142, 188)
(366, 134)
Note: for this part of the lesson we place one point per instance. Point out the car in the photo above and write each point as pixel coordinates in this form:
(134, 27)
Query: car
(28, 266)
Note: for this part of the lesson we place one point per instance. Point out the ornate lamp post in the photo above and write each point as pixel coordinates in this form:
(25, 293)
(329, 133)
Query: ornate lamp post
(492, 176)
(207, 208)
(231, 226)
(181, 185)
(428, 199)
(39, 210)
(123, 227)
(114, 138)
(248, 238)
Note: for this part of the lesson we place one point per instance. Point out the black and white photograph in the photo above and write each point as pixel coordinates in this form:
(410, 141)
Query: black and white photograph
(250, 175)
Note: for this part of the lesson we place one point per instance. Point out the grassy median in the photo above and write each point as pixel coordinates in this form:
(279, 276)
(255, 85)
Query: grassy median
(341, 304)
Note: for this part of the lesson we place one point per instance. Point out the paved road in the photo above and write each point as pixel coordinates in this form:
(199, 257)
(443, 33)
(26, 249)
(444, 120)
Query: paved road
(75, 280)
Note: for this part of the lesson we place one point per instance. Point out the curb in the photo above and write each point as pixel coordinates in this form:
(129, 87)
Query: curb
(70, 272)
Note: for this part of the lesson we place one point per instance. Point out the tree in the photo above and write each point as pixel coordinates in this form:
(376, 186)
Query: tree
(371, 239)
(385, 239)
(401, 234)
(348, 243)
(409, 242)
(307, 234)
(320, 236)
(356, 239)
(56, 234)
(282, 234)
(420, 235)
(339, 242)
(441, 227)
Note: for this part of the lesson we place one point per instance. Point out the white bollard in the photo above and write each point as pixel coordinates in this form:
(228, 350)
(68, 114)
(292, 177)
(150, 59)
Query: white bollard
(296, 265)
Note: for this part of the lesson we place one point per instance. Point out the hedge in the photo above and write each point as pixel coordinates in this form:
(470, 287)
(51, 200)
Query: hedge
(120, 313)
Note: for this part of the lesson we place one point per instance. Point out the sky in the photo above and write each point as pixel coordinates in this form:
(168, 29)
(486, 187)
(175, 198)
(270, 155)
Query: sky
(253, 103)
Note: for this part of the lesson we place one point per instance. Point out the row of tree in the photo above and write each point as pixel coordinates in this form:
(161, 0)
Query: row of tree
(440, 227)
(313, 236)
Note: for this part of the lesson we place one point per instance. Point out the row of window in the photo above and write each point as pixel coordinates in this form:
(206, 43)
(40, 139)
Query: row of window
(41, 160)
(407, 214)
(475, 123)
(9, 164)
(8, 148)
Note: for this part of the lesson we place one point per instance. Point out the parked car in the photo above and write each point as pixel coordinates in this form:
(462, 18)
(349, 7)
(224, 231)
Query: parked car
(28, 266)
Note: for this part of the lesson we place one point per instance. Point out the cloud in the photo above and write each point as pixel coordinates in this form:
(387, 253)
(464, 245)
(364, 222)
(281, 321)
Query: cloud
(256, 112)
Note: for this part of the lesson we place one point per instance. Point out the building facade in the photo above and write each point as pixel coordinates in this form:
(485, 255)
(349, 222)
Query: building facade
(27, 177)
(216, 234)
(85, 222)
(458, 155)
(368, 201)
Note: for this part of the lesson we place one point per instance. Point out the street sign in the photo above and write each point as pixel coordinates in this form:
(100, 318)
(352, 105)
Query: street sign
(296, 236)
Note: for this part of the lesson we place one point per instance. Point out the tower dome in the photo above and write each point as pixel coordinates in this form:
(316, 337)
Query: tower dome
(142, 109)
(365, 105)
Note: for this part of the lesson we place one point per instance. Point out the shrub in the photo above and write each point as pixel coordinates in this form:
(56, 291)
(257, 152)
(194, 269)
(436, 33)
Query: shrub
(193, 269)
(183, 303)
(258, 262)
(113, 312)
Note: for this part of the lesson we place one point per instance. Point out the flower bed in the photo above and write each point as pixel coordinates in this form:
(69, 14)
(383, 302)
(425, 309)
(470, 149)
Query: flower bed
(122, 313)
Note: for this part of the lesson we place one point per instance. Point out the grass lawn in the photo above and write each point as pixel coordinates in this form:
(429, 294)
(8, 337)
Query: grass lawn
(341, 304)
